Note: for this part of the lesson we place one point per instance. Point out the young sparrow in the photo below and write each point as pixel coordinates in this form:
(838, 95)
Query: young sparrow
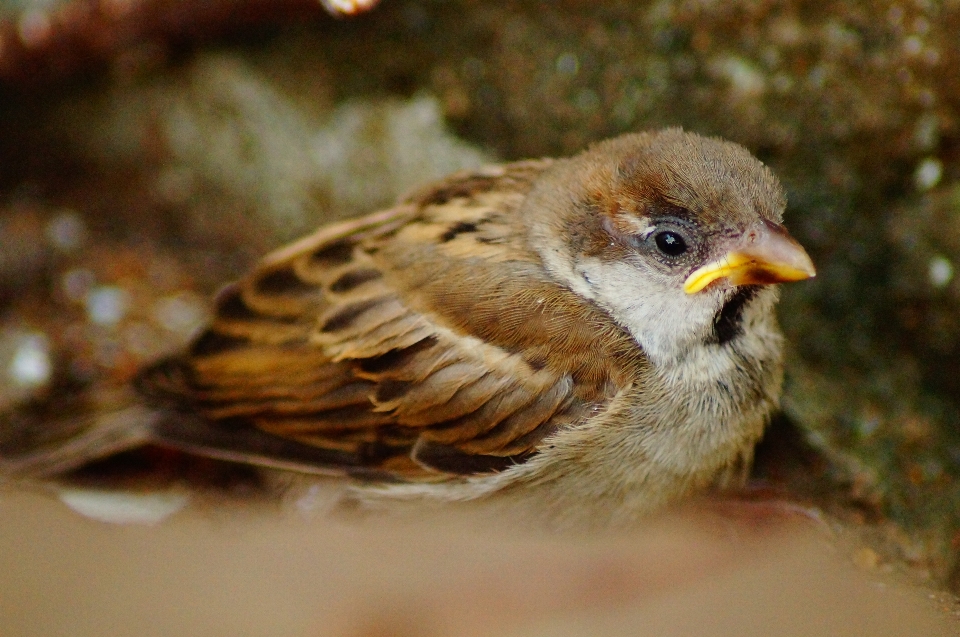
(593, 334)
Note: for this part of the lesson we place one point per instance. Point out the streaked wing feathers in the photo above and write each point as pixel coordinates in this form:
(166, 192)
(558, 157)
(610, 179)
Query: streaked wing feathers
(421, 341)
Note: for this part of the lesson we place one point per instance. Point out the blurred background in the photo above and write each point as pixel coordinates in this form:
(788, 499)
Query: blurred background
(151, 150)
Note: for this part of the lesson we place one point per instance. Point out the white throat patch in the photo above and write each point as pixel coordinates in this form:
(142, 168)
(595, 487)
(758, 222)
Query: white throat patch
(664, 320)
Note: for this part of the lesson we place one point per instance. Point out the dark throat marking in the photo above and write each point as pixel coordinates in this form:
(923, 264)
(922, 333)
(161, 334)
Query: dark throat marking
(728, 323)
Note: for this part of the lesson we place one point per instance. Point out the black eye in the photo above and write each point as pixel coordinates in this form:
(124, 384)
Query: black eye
(670, 243)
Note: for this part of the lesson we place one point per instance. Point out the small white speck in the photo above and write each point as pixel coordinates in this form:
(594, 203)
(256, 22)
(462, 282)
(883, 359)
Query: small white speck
(567, 64)
(868, 426)
(928, 173)
(745, 78)
(107, 305)
(34, 28)
(348, 7)
(67, 231)
(318, 498)
(180, 313)
(30, 365)
(912, 45)
(895, 15)
(118, 507)
(817, 76)
(940, 271)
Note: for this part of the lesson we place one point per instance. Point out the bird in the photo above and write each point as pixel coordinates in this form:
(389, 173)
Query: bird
(592, 337)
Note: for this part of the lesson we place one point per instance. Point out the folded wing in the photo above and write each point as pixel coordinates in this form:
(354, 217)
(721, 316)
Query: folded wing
(421, 342)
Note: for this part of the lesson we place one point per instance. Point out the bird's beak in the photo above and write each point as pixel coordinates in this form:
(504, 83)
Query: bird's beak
(765, 253)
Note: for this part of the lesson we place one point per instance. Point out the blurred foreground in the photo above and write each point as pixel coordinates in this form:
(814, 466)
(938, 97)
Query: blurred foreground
(249, 571)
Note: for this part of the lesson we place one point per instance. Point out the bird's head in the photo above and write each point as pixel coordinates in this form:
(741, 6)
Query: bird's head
(678, 236)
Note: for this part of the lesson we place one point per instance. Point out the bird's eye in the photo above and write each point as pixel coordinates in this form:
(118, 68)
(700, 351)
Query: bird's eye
(670, 243)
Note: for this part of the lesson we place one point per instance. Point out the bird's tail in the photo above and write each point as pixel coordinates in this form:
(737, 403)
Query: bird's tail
(36, 442)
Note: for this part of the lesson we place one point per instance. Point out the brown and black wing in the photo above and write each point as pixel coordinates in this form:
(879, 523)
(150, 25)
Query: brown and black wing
(419, 342)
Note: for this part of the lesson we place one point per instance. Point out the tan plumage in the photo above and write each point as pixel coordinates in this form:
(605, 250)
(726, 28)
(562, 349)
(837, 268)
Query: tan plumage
(517, 330)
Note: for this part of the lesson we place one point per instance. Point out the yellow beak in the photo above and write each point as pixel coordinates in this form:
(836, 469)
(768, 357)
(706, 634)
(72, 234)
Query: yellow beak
(764, 254)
